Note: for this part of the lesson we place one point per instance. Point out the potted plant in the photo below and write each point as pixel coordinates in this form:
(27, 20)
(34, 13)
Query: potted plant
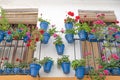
(46, 35)
(114, 64)
(64, 62)
(79, 67)
(8, 67)
(44, 24)
(4, 25)
(25, 68)
(98, 27)
(83, 30)
(70, 20)
(69, 36)
(34, 67)
(59, 44)
(47, 62)
(16, 69)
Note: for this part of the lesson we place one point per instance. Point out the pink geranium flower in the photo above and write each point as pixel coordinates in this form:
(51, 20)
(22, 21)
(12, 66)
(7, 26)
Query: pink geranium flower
(62, 30)
(106, 72)
(115, 56)
(103, 58)
(55, 35)
(100, 66)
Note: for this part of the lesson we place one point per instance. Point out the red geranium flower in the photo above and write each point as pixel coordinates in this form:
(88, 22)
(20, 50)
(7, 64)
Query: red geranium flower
(37, 39)
(116, 22)
(41, 31)
(2, 58)
(6, 58)
(77, 17)
(17, 59)
(64, 20)
(29, 40)
(85, 16)
(71, 13)
(9, 32)
(28, 44)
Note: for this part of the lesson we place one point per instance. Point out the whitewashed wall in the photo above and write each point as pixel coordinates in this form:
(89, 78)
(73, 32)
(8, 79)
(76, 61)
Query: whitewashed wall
(55, 11)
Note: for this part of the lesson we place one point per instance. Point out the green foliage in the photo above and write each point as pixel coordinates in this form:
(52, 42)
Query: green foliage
(83, 26)
(42, 20)
(96, 75)
(58, 40)
(46, 59)
(8, 65)
(35, 61)
(68, 19)
(52, 31)
(77, 63)
(70, 31)
(4, 25)
(64, 58)
(23, 65)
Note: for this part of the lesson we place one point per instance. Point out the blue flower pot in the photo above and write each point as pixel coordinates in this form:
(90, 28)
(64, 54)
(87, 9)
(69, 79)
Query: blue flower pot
(1, 35)
(87, 69)
(8, 70)
(25, 71)
(1, 71)
(16, 70)
(80, 72)
(82, 35)
(25, 39)
(46, 37)
(44, 25)
(109, 69)
(8, 38)
(69, 38)
(34, 69)
(60, 48)
(92, 38)
(66, 67)
(48, 66)
(115, 71)
(69, 25)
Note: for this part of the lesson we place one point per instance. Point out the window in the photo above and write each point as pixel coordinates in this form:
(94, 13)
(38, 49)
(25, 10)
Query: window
(17, 49)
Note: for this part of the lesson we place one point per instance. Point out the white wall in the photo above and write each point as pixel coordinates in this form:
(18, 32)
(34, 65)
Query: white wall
(56, 10)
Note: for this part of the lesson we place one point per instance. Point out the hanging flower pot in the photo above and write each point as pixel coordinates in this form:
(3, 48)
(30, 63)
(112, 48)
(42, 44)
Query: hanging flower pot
(48, 66)
(60, 48)
(16, 70)
(115, 71)
(44, 25)
(46, 37)
(34, 69)
(82, 35)
(1, 71)
(92, 38)
(69, 25)
(1, 35)
(69, 38)
(25, 71)
(8, 38)
(87, 69)
(8, 70)
(25, 39)
(80, 72)
(66, 67)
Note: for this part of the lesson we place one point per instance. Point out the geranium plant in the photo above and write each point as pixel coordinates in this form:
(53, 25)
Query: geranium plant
(4, 25)
(58, 39)
(64, 62)
(70, 17)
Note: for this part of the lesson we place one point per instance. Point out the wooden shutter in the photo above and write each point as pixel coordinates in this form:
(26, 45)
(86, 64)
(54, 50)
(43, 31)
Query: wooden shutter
(24, 16)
